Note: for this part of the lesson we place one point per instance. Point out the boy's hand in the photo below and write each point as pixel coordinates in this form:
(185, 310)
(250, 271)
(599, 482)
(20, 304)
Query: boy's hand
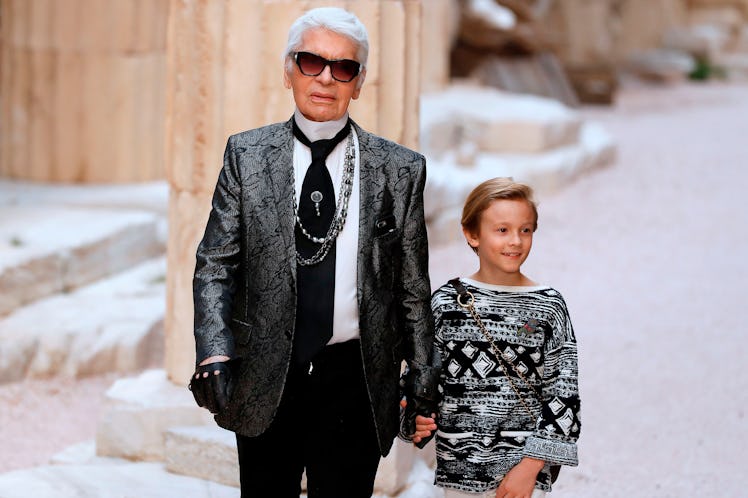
(519, 482)
(424, 425)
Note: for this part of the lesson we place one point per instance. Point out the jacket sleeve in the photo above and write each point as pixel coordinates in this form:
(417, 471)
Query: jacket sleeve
(415, 294)
(557, 430)
(217, 261)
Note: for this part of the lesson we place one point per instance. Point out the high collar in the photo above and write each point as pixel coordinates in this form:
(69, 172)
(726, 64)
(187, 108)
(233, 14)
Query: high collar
(318, 130)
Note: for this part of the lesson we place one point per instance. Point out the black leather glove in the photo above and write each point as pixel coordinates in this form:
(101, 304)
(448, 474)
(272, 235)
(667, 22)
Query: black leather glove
(212, 384)
(419, 387)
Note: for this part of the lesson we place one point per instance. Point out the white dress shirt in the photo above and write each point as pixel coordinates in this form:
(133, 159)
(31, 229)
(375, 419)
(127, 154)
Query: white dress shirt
(345, 317)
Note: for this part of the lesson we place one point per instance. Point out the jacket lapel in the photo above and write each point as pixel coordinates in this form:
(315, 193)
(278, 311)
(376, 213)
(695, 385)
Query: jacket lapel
(279, 167)
(371, 190)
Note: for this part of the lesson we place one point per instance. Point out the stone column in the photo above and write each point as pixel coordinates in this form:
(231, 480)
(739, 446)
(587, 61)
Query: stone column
(82, 86)
(440, 20)
(612, 28)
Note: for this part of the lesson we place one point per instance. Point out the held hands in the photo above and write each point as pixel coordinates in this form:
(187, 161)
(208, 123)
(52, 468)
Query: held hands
(519, 482)
(212, 384)
(424, 425)
(419, 386)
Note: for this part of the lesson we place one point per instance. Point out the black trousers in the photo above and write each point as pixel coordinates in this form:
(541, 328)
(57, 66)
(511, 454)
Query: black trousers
(325, 425)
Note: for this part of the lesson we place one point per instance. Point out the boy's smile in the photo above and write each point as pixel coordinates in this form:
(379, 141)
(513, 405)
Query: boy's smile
(503, 241)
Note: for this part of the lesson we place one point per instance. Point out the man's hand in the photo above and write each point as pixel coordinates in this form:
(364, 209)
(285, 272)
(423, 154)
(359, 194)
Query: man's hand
(519, 482)
(212, 383)
(424, 425)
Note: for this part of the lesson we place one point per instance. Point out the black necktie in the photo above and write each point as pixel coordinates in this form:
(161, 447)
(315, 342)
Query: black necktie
(315, 284)
(317, 199)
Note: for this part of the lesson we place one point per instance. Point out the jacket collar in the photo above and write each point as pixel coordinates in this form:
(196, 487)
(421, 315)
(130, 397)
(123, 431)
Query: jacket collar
(278, 158)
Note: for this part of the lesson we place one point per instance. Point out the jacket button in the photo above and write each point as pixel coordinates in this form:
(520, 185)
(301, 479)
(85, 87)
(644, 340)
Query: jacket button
(288, 334)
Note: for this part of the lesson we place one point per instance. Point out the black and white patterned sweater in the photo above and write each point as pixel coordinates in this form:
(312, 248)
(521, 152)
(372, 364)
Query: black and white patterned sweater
(484, 429)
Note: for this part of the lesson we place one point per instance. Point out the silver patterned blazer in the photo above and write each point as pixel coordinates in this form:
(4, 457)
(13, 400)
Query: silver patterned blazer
(244, 285)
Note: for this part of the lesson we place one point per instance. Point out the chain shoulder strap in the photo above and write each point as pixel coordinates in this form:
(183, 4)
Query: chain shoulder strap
(466, 300)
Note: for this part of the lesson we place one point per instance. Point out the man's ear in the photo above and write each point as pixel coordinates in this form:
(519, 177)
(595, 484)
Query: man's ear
(286, 78)
(359, 84)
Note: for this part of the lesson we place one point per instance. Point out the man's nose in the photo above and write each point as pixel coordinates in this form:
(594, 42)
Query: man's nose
(326, 75)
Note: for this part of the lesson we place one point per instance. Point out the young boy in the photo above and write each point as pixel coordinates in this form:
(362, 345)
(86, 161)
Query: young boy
(510, 401)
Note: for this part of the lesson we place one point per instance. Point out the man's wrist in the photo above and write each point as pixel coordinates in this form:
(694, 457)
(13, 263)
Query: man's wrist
(213, 359)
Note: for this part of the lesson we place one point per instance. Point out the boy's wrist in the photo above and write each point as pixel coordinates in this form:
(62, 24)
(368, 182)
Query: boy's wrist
(532, 464)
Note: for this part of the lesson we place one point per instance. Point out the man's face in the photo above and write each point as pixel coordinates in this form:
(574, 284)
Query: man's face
(321, 97)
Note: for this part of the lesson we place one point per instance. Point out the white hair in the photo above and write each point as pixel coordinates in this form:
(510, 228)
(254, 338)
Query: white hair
(334, 19)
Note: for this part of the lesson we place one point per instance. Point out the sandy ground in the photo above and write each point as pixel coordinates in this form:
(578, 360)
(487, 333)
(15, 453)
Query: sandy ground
(651, 257)
(42, 417)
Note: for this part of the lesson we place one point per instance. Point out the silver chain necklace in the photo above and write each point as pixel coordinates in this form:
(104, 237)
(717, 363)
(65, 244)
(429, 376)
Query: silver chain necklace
(341, 211)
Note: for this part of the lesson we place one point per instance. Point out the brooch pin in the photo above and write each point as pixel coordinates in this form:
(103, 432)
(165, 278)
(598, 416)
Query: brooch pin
(316, 197)
(529, 327)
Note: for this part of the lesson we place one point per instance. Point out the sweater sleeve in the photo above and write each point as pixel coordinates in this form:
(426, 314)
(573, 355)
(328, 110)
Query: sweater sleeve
(557, 430)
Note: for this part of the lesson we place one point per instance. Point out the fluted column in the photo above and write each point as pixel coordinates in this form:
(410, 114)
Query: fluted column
(82, 88)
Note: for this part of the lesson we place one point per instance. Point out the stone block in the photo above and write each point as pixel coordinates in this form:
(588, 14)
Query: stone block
(84, 453)
(725, 16)
(205, 452)
(703, 41)
(394, 469)
(24, 281)
(16, 355)
(449, 183)
(139, 410)
(106, 480)
(118, 251)
(209, 452)
(663, 65)
(420, 482)
(45, 251)
(494, 121)
(115, 324)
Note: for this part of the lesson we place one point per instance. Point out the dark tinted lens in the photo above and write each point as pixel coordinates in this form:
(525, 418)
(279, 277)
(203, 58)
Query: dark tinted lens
(344, 70)
(310, 64)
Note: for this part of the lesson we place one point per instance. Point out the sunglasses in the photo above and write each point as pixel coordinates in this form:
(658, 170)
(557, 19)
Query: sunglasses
(343, 70)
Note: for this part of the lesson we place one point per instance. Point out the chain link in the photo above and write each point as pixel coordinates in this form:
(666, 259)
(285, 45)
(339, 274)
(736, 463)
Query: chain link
(498, 353)
(341, 211)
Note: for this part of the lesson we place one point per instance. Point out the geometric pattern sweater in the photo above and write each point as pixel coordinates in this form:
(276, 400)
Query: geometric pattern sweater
(483, 428)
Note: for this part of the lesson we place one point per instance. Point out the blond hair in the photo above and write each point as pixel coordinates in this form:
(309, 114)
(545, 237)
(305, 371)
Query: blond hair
(491, 190)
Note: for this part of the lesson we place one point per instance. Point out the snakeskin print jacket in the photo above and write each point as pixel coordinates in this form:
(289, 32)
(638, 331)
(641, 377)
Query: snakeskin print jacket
(244, 284)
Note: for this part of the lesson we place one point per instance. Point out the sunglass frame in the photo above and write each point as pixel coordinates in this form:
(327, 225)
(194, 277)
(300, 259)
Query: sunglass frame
(335, 63)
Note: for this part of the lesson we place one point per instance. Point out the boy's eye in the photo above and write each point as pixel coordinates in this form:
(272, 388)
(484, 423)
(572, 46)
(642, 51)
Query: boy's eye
(526, 230)
(502, 229)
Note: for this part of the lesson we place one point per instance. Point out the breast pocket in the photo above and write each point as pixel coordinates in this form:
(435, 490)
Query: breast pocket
(385, 226)
(242, 331)
(385, 254)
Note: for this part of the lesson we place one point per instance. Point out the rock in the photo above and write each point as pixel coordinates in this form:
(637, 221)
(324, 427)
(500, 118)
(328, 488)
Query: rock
(139, 411)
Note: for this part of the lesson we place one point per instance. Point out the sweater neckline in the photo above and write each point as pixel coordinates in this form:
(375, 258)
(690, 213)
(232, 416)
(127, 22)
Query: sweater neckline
(503, 288)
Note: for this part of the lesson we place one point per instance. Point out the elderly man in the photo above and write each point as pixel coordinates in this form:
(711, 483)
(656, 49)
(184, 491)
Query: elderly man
(311, 283)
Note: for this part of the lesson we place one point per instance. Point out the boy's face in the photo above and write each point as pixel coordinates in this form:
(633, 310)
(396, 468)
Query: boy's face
(504, 238)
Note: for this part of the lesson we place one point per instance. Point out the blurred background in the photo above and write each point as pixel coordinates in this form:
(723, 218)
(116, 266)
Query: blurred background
(627, 117)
